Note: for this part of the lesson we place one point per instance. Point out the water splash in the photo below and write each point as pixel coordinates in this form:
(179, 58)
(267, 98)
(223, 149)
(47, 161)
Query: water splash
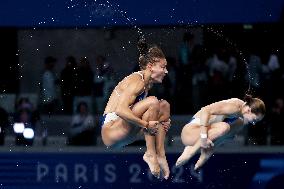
(237, 49)
(130, 21)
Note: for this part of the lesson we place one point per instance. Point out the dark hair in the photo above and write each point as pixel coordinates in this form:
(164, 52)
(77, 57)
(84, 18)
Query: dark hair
(81, 103)
(257, 105)
(148, 54)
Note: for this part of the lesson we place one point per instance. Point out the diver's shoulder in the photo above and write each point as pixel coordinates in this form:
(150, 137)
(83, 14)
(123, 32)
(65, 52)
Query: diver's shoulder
(235, 101)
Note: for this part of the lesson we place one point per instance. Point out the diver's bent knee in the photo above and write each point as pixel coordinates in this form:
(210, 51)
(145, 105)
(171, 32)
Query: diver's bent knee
(219, 131)
(187, 136)
(224, 128)
(153, 101)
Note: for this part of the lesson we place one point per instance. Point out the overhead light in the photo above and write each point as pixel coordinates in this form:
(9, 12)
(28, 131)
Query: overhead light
(19, 127)
(28, 133)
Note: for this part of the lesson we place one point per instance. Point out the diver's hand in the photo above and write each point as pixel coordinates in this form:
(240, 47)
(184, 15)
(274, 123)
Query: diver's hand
(166, 125)
(152, 127)
(206, 143)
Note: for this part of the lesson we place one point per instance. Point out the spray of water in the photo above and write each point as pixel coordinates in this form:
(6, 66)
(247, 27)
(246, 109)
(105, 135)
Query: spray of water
(236, 48)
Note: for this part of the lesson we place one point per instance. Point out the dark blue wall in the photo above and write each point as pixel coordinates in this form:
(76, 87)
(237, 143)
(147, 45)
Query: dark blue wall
(99, 170)
(34, 13)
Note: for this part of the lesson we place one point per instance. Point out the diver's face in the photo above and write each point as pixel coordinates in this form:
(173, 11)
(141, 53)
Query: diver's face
(158, 70)
(252, 118)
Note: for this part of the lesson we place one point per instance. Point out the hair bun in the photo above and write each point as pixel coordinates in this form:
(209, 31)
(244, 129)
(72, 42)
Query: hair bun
(248, 98)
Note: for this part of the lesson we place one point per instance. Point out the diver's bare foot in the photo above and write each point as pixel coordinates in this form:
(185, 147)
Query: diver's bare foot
(185, 156)
(153, 164)
(205, 155)
(164, 166)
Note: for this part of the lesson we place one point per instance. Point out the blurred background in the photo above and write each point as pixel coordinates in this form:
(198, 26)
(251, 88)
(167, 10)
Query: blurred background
(60, 60)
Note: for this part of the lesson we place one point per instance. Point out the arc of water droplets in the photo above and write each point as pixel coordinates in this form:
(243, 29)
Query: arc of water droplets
(240, 53)
(124, 15)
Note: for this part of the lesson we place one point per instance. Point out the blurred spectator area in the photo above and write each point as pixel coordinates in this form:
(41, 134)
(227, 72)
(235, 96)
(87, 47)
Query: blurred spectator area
(58, 128)
(205, 64)
(9, 100)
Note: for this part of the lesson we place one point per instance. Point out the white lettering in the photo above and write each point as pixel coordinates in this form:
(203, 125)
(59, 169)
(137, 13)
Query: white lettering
(42, 171)
(110, 177)
(61, 173)
(96, 173)
(135, 169)
(80, 173)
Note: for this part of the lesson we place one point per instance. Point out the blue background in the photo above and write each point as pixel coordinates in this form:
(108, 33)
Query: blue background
(54, 13)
